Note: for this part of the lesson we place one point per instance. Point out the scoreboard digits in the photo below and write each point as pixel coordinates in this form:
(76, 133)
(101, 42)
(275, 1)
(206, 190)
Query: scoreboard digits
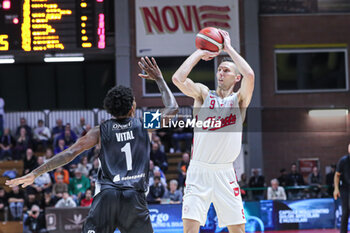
(52, 25)
(4, 44)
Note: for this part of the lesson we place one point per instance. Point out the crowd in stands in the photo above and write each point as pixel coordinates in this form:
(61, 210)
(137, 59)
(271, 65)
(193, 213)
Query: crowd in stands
(74, 184)
(290, 185)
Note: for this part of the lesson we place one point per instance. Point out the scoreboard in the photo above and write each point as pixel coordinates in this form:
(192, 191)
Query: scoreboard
(52, 25)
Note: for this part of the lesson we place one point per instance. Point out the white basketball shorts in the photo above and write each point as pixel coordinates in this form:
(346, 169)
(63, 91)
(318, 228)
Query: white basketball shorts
(212, 183)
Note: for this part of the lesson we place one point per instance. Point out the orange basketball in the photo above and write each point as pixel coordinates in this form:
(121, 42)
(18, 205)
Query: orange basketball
(209, 38)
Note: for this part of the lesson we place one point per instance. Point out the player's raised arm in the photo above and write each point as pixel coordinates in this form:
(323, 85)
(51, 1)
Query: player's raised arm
(247, 85)
(154, 73)
(186, 85)
(84, 143)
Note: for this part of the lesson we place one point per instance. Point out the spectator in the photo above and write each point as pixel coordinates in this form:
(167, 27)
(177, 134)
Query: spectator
(330, 180)
(23, 124)
(93, 185)
(257, 181)
(30, 200)
(48, 154)
(156, 139)
(150, 172)
(61, 146)
(66, 202)
(23, 142)
(48, 200)
(283, 178)
(158, 157)
(68, 136)
(182, 168)
(58, 129)
(42, 135)
(42, 182)
(59, 187)
(315, 181)
(160, 173)
(276, 192)
(7, 142)
(85, 166)
(3, 203)
(2, 115)
(94, 170)
(35, 222)
(295, 179)
(243, 184)
(87, 128)
(80, 129)
(87, 200)
(29, 162)
(156, 192)
(64, 173)
(16, 201)
(174, 194)
(94, 153)
(79, 184)
(182, 134)
(165, 135)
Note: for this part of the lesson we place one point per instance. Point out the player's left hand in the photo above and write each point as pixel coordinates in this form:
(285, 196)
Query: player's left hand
(227, 40)
(24, 181)
(151, 68)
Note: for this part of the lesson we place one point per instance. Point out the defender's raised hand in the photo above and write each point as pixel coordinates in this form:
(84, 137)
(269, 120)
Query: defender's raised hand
(151, 68)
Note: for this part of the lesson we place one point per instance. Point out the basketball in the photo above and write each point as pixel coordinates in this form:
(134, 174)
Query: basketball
(209, 38)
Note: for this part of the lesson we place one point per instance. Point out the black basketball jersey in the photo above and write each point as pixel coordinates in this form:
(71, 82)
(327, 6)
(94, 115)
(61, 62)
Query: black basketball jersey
(124, 156)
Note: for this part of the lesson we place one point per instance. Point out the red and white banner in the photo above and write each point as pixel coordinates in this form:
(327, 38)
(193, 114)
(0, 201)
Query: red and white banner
(169, 27)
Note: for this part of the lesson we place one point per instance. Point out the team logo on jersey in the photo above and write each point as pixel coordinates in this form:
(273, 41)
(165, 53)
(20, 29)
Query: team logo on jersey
(151, 120)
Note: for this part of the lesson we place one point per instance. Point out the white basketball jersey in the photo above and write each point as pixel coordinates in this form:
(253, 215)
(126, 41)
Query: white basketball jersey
(218, 144)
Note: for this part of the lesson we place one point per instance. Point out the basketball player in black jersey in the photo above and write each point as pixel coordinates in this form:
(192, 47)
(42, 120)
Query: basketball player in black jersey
(120, 201)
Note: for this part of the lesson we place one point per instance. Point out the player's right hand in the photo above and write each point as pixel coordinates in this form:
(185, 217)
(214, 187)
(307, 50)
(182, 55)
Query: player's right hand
(151, 68)
(336, 194)
(208, 55)
(24, 181)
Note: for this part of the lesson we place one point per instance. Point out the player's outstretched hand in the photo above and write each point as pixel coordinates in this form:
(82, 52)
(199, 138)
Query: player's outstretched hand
(151, 68)
(227, 40)
(24, 181)
(208, 55)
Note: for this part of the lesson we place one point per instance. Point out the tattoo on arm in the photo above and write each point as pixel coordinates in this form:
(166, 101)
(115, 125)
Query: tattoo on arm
(57, 161)
(84, 143)
(168, 98)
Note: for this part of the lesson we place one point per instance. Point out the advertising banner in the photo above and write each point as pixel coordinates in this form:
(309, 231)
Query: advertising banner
(261, 216)
(65, 220)
(281, 215)
(169, 27)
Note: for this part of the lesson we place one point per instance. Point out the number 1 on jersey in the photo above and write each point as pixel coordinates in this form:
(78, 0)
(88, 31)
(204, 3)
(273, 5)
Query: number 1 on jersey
(127, 150)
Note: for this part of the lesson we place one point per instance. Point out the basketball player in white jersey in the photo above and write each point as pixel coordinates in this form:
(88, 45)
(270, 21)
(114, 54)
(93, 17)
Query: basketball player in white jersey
(211, 177)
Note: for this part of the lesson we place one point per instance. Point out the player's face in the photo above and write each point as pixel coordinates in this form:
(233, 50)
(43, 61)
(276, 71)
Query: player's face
(226, 75)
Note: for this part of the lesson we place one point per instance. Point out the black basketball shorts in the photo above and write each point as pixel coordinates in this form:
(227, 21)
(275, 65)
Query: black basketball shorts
(123, 209)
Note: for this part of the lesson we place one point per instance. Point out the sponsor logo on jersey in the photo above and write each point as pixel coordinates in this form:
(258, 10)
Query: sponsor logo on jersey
(151, 120)
(229, 120)
(118, 126)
